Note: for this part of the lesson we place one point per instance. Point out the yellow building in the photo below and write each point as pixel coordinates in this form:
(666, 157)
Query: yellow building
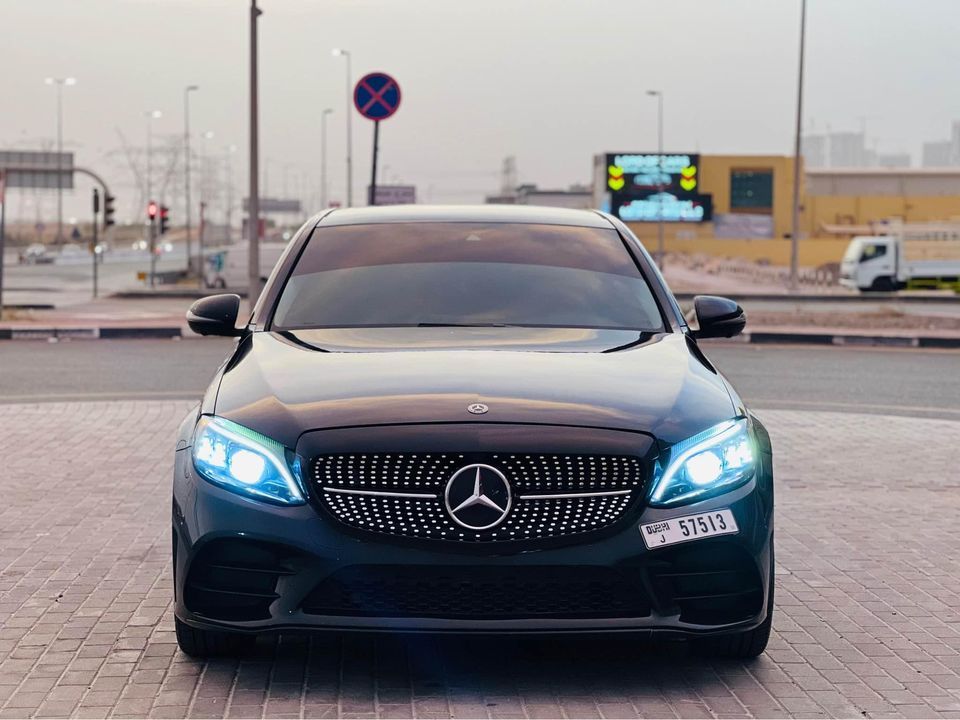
(741, 205)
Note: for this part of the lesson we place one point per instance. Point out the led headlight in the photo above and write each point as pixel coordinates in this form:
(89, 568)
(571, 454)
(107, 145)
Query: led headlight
(708, 463)
(246, 462)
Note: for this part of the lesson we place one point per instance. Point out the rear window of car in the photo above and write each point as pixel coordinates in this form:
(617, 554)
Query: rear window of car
(429, 274)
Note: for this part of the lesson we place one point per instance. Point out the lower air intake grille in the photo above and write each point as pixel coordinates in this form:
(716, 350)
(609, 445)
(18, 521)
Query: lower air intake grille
(711, 584)
(235, 579)
(478, 593)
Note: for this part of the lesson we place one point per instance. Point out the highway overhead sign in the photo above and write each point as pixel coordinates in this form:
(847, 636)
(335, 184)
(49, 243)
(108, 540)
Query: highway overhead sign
(376, 96)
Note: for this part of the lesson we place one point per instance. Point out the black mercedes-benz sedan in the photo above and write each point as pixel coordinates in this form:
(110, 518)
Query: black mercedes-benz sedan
(471, 420)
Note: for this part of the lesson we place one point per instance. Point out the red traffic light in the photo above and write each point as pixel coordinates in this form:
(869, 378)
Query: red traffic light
(152, 210)
(164, 211)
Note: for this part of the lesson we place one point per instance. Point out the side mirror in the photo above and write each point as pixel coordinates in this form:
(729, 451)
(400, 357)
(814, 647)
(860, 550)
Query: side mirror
(215, 315)
(718, 317)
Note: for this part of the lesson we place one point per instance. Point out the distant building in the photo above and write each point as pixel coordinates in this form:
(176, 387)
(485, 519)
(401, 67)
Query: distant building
(893, 160)
(814, 150)
(848, 149)
(938, 153)
(577, 197)
(943, 153)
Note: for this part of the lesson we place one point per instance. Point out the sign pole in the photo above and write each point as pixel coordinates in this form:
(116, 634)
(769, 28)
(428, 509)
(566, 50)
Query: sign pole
(372, 200)
(93, 245)
(376, 97)
(3, 212)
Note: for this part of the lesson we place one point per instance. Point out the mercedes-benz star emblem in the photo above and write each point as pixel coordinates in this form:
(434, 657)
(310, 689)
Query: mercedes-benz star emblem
(478, 497)
(477, 408)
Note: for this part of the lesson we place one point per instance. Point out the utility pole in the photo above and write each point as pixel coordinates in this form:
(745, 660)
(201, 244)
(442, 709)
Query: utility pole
(186, 170)
(253, 221)
(658, 94)
(323, 158)
(346, 54)
(797, 162)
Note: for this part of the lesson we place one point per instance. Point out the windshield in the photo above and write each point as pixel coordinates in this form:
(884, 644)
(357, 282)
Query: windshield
(852, 253)
(430, 274)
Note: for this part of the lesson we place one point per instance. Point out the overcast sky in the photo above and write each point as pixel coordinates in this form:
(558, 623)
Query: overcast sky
(549, 81)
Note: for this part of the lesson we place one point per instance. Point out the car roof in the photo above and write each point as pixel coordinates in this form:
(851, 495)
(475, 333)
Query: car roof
(523, 214)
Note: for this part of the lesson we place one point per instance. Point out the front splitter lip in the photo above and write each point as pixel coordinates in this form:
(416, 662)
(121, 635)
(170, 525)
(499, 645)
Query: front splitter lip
(445, 626)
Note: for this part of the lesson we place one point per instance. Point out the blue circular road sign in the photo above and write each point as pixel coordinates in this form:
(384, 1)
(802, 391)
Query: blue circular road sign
(376, 96)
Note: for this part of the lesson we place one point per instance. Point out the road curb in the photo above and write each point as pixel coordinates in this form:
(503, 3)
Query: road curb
(89, 333)
(760, 337)
(175, 293)
(891, 297)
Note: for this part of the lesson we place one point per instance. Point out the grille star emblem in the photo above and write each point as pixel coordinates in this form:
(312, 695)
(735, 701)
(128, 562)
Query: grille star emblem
(478, 497)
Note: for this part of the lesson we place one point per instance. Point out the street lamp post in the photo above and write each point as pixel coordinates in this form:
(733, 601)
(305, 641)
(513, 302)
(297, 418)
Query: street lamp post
(795, 224)
(346, 54)
(658, 94)
(228, 178)
(323, 158)
(186, 168)
(151, 115)
(253, 214)
(204, 179)
(60, 83)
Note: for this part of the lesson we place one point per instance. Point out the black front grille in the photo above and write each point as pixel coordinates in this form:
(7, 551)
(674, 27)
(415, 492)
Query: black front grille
(403, 493)
(459, 592)
(235, 579)
(712, 584)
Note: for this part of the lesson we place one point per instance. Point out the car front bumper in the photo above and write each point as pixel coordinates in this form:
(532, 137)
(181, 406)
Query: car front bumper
(247, 566)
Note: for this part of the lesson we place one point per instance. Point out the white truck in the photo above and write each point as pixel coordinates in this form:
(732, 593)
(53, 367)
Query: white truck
(915, 259)
(226, 268)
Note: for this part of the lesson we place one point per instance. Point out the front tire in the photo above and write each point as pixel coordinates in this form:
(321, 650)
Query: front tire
(199, 643)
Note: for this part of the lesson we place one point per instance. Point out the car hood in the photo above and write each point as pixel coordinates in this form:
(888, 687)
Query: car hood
(285, 384)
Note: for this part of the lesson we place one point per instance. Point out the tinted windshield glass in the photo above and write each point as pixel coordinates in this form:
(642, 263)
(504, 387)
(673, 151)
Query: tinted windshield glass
(466, 274)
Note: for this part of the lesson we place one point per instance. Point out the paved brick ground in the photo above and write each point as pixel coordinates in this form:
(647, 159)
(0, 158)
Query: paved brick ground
(867, 624)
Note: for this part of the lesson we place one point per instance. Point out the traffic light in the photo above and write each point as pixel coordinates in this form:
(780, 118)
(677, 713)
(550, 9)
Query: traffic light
(164, 219)
(152, 210)
(108, 210)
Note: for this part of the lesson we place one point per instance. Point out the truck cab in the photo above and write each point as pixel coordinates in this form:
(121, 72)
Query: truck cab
(870, 263)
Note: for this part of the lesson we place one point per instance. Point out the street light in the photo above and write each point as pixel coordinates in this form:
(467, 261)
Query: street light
(253, 207)
(323, 157)
(795, 225)
(186, 165)
(60, 83)
(659, 96)
(340, 52)
(228, 177)
(201, 236)
(151, 115)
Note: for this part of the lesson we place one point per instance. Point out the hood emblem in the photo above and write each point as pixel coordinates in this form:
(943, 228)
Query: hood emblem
(477, 408)
(478, 497)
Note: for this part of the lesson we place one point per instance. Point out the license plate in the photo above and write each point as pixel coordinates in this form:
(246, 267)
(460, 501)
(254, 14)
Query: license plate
(689, 527)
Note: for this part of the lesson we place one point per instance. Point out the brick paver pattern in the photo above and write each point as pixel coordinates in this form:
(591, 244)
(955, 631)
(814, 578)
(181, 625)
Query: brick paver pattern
(867, 621)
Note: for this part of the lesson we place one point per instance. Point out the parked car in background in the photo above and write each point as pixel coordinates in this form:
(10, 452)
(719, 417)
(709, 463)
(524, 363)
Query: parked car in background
(35, 254)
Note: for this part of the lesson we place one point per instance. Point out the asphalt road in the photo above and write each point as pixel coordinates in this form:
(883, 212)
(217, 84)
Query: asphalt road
(901, 382)
(70, 282)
